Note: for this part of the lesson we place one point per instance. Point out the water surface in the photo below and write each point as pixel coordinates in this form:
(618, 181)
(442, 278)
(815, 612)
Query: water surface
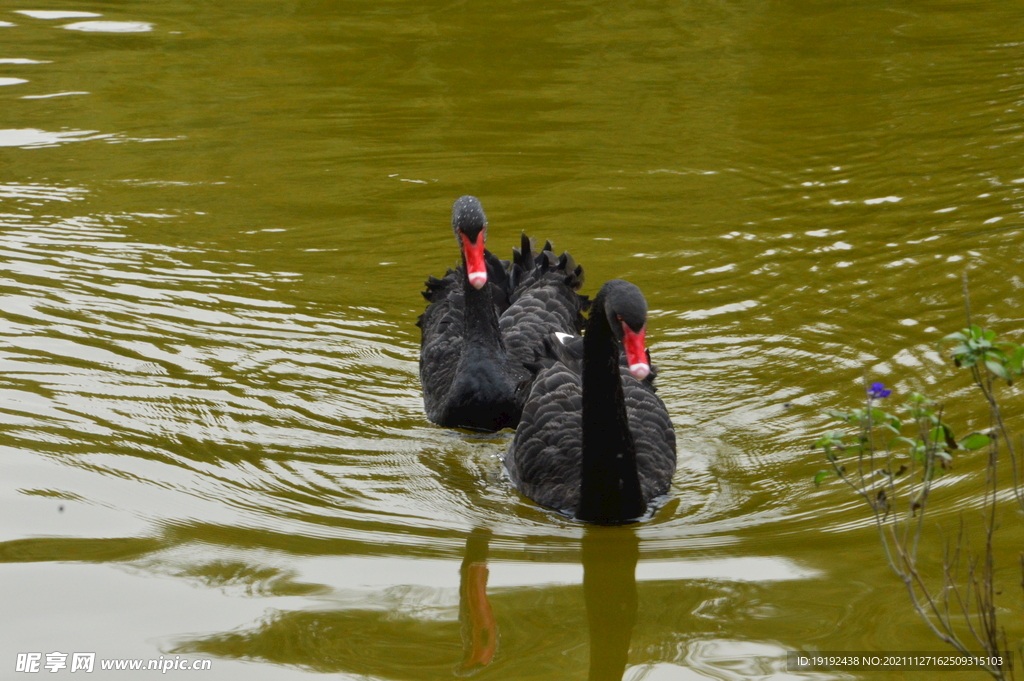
(215, 221)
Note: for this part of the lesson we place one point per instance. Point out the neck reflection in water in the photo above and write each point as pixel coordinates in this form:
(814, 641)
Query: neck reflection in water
(479, 630)
(609, 556)
(609, 591)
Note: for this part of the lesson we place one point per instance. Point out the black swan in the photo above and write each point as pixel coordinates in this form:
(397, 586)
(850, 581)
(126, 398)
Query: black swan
(594, 440)
(485, 320)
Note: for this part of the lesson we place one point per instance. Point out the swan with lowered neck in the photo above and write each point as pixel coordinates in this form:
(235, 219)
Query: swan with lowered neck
(594, 440)
(484, 320)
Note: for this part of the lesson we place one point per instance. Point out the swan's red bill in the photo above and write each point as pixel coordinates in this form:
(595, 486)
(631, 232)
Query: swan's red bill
(636, 355)
(476, 268)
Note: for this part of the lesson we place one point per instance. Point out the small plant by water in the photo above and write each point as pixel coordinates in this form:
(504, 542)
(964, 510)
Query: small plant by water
(891, 461)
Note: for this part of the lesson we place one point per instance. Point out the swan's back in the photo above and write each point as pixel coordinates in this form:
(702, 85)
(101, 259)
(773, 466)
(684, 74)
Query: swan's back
(544, 460)
(653, 433)
(543, 300)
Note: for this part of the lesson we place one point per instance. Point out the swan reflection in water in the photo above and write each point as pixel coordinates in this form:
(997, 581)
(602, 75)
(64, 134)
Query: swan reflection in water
(479, 630)
(542, 625)
(609, 591)
(609, 557)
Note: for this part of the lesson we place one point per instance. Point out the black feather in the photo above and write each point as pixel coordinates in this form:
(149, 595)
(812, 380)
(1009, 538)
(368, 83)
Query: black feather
(546, 457)
(475, 344)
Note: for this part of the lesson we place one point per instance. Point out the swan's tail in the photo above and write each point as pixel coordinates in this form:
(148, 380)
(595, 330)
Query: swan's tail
(530, 269)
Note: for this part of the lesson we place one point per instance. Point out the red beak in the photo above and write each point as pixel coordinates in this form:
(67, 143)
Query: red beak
(636, 356)
(476, 268)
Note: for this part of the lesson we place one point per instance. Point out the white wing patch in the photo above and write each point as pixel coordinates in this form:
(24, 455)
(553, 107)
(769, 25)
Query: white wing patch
(564, 338)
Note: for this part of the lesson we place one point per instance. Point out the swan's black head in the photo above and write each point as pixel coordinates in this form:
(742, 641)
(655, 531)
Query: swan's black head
(626, 309)
(470, 226)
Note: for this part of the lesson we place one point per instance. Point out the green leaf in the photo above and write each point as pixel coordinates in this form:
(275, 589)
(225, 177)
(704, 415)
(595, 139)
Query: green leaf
(830, 439)
(962, 349)
(998, 369)
(820, 476)
(918, 450)
(941, 436)
(995, 356)
(841, 415)
(975, 441)
(1016, 362)
(947, 434)
(879, 416)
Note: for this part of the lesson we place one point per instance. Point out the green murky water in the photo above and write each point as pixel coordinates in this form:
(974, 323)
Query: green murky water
(215, 220)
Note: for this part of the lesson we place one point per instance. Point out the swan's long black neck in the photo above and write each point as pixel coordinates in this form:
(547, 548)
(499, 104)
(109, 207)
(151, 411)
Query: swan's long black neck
(609, 484)
(481, 323)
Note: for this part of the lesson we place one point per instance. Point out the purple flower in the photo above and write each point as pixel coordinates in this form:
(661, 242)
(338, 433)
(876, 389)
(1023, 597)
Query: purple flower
(877, 391)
